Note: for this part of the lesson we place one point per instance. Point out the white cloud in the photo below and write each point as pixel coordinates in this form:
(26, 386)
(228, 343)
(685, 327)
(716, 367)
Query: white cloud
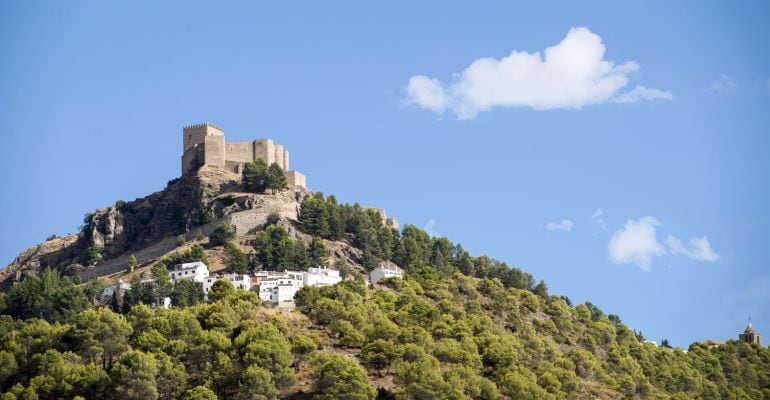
(641, 93)
(598, 216)
(563, 225)
(569, 75)
(636, 243)
(701, 248)
(427, 93)
(724, 85)
(675, 245)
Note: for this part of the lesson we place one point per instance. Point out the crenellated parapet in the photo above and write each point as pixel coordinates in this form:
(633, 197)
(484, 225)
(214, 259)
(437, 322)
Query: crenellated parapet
(205, 144)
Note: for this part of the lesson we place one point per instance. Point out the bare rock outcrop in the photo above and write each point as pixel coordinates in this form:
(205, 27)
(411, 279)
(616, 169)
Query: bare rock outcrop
(187, 204)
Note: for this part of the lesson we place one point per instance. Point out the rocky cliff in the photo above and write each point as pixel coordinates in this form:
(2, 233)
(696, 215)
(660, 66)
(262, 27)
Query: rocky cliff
(148, 226)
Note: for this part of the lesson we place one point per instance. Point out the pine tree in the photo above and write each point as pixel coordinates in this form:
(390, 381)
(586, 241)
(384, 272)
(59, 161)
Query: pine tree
(319, 255)
(255, 176)
(276, 180)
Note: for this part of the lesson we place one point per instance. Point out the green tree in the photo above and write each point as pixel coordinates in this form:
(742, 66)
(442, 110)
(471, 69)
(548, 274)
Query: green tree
(276, 180)
(132, 262)
(94, 254)
(313, 216)
(187, 293)
(379, 354)
(8, 366)
(235, 260)
(319, 255)
(274, 249)
(337, 377)
(343, 267)
(263, 345)
(255, 176)
(222, 234)
(133, 377)
(301, 347)
(256, 384)
(101, 335)
(421, 379)
(221, 289)
(200, 393)
(49, 296)
(171, 379)
(541, 290)
(163, 283)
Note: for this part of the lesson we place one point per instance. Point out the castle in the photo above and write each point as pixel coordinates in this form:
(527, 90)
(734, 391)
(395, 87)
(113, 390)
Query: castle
(205, 144)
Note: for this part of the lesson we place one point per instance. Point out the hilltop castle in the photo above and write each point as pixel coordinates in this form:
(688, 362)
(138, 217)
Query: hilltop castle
(205, 144)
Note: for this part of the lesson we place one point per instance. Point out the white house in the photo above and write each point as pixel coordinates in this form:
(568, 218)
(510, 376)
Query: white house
(194, 271)
(239, 281)
(321, 276)
(112, 289)
(279, 287)
(385, 271)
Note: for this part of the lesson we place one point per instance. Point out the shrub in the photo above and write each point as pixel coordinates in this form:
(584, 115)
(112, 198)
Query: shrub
(222, 234)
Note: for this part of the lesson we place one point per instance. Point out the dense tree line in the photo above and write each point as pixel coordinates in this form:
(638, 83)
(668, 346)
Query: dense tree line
(410, 249)
(451, 337)
(275, 250)
(229, 348)
(456, 327)
(462, 338)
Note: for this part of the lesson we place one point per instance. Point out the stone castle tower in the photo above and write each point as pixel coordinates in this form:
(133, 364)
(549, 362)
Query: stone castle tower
(205, 144)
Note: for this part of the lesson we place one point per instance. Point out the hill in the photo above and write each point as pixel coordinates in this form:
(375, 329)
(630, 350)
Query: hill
(456, 327)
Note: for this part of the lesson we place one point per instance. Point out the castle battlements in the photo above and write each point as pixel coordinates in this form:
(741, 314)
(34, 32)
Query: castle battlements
(205, 144)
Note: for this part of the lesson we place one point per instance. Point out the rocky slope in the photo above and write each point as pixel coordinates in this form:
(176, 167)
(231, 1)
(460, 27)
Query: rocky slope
(148, 226)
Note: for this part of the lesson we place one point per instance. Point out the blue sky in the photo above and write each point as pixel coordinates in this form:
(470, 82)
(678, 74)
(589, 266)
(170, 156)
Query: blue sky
(396, 107)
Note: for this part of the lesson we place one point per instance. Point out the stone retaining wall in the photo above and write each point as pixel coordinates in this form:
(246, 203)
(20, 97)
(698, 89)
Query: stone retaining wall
(244, 222)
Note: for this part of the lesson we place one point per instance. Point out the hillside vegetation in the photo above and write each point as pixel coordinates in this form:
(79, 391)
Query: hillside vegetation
(456, 327)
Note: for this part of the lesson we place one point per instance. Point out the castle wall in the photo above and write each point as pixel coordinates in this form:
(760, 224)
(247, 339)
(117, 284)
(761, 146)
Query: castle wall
(239, 151)
(279, 156)
(195, 134)
(234, 166)
(205, 144)
(265, 149)
(243, 222)
(214, 150)
(295, 179)
(190, 159)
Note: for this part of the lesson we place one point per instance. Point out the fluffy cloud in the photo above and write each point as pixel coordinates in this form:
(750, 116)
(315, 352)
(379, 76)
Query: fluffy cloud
(569, 75)
(563, 225)
(637, 243)
(426, 92)
(701, 248)
(641, 93)
(598, 216)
